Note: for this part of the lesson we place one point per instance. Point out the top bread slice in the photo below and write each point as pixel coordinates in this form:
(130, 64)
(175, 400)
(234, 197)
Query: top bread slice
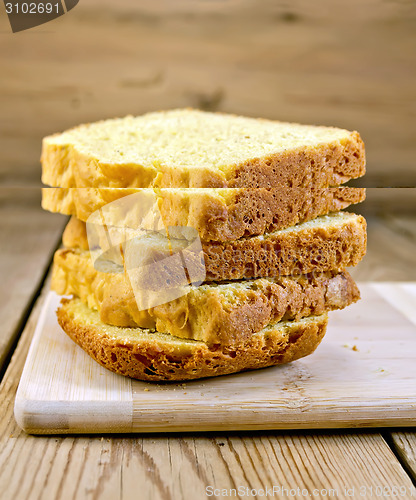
(217, 214)
(190, 148)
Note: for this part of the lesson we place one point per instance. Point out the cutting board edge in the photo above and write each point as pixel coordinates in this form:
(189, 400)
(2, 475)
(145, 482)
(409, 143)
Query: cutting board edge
(49, 417)
(95, 429)
(88, 417)
(34, 417)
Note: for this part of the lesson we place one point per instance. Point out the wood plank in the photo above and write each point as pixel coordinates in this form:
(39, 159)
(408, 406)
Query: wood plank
(403, 224)
(28, 238)
(352, 67)
(359, 376)
(178, 466)
(404, 444)
(392, 255)
(388, 203)
(391, 250)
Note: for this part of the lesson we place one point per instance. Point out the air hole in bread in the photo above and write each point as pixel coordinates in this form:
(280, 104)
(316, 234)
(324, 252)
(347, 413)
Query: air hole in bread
(150, 370)
(142, 359)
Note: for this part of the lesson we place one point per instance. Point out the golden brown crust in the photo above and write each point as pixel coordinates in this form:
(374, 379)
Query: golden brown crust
(273, 209)
(217, 215)
(325, 248)
(221, 313)
(338, 242)
(157, 357)
(75, 234)
(323, 165)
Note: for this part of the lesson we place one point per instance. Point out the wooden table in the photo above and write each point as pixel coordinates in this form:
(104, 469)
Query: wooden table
(181, 466)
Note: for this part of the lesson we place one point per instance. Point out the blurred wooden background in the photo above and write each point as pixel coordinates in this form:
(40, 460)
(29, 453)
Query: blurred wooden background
(350, 64)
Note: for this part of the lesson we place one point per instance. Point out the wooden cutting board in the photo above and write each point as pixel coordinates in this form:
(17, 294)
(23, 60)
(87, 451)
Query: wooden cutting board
(362, 375)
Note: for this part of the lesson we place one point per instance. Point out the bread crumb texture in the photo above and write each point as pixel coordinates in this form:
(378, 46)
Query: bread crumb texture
(217, 214)
(191, 148)
(327, 243)
(146, 355)
(223, 312)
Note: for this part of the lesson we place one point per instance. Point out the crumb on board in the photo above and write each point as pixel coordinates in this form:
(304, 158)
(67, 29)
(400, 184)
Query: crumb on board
(353, 348)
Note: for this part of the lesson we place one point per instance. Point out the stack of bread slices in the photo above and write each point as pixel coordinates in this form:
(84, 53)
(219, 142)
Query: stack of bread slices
(265, 199)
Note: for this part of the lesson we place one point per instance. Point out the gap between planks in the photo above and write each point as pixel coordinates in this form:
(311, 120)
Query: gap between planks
(29, 238)
(103, 457)
(177, 466)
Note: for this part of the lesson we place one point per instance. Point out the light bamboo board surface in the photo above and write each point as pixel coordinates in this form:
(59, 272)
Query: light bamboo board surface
(362, 375)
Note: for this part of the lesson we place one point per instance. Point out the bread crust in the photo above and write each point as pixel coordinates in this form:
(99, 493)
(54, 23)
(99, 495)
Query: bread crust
(327, 165)
(330, 246)
(324, 164)
(217, 215)
(288, 253)
(158, 357)
(223, 313)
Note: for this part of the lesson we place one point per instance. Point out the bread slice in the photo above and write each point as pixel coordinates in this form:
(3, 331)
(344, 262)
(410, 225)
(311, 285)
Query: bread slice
(190, 148)
(327, 243)
(224, 313)
(146, 355)
(217, 214)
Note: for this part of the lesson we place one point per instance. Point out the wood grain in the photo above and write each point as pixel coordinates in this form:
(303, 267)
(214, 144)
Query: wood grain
(386, 202)
(391, 250)
(178, 466)
(404, 444)
(352, 67)
(28, 237)
(392, 255)
(359, 376)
